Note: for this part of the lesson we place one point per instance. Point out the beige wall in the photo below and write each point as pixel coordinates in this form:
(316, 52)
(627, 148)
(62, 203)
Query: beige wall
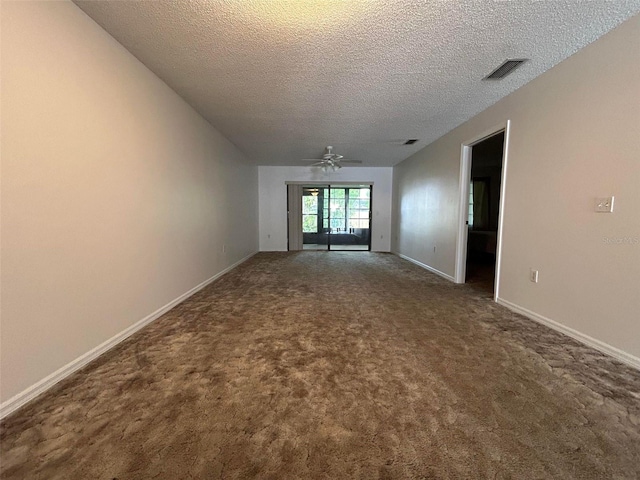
(575, 136)
(117, 197)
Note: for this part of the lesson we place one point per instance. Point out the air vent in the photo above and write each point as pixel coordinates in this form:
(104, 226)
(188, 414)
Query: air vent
(411, 141)
(505, 69)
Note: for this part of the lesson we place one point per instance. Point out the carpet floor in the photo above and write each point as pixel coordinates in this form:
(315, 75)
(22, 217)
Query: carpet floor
(335, 365)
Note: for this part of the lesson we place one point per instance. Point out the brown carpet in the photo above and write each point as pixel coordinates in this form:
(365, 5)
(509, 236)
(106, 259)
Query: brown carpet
(335, 365)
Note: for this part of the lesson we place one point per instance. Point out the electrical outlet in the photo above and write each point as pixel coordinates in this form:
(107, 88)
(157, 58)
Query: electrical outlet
(604, 204)
(533, 275)
(224, 249)
(434, 249)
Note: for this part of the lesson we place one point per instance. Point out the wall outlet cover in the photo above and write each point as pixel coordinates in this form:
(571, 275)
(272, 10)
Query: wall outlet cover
(533, 275)
(604, 204)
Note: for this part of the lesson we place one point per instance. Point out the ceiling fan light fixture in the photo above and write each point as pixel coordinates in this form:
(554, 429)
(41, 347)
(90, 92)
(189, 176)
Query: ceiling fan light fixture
(330, 160)
(329, 164)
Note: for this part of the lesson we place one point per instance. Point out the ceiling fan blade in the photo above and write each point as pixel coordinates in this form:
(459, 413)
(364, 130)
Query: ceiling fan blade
(329, 160)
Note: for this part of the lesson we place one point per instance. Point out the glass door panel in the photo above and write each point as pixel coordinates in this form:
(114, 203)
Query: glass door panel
(337, 211)
(350, 210)
(314, 236)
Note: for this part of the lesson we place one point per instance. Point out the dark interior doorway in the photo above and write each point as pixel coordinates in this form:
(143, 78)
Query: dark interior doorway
(484, 212)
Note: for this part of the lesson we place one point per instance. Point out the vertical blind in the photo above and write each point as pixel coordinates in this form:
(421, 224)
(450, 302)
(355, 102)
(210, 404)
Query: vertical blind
(294, 211)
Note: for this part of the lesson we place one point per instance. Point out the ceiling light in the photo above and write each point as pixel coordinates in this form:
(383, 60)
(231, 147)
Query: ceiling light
(306, 17)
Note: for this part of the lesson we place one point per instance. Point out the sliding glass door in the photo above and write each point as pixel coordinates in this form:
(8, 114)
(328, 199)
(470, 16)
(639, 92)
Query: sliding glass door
(336, 217)
(314, 232)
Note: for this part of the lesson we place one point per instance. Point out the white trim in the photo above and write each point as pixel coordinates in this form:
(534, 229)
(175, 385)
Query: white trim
(503, 195)
(426, 267)
(463, 214)
(616, 353)
(49, 381)
(326, 182)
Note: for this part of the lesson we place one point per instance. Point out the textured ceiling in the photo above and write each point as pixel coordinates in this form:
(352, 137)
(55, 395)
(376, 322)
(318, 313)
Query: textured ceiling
(282, 79)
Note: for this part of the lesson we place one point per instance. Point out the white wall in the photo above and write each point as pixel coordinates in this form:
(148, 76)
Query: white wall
(575, 136)
(273, 200)
(117, 197)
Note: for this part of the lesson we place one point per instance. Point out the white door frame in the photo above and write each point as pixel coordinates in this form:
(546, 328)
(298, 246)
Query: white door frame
(463, 213)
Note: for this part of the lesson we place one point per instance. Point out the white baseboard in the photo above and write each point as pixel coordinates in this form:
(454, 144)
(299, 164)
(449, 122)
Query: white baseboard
(426, 267)
(616, 353)
(30, 393)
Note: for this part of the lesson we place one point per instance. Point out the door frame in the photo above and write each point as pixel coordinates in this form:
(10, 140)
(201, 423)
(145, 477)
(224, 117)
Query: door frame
(463, 211)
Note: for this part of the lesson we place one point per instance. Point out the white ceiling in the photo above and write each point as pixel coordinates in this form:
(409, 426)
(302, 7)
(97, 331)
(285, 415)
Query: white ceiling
(282, 79)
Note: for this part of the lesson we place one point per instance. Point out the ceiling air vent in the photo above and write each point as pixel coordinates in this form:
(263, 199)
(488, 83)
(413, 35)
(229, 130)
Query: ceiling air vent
(505, 69)
(411, 141)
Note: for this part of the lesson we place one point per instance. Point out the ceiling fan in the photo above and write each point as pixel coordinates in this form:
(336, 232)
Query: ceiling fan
(330, 160)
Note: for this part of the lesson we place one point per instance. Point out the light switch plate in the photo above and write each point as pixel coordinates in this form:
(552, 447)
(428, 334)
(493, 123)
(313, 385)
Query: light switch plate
(604, 205)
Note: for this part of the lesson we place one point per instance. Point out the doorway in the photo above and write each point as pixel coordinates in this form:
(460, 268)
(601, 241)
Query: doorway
(331, 217)
(482, 186)
(483, 212)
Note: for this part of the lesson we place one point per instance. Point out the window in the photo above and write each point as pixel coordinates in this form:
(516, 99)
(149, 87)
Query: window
(359, 206)
(309, 213)
(470, 222)
(346, 208)
(479, 203)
